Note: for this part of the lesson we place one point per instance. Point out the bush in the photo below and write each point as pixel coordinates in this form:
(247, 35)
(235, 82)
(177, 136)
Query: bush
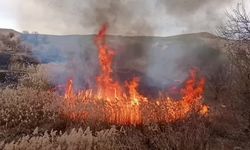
(36, 78)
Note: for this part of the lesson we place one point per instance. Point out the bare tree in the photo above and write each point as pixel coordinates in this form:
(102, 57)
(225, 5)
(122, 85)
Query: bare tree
(237, 26)
(236, 30)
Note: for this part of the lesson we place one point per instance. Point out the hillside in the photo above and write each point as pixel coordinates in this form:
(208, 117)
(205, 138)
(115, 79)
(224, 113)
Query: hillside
(15, 56)
(161, 58)
(158, 60)
(136, 50)
(7, 31)
(163, 65)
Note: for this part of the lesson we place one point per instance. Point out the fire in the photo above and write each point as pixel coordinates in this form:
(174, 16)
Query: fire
(113, 103)
(107, 88)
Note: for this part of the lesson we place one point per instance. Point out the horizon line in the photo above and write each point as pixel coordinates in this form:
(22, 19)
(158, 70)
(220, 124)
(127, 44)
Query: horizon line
(108, 34)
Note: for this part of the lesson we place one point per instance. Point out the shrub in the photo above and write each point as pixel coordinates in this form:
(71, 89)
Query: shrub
(36, 78)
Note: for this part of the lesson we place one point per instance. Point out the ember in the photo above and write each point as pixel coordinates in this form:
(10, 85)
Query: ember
(117, 104)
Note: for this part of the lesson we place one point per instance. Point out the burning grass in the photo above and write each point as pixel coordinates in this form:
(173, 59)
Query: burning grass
(135, 110)
(25, 108)
(35, 117)
(122, 104)
(32, 119)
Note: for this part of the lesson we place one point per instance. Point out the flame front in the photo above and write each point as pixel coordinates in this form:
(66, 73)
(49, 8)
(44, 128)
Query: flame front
(113, 103)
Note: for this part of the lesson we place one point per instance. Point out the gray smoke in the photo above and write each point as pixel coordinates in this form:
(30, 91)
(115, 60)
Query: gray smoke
(185, 8)
(160, 61)
(126, 17)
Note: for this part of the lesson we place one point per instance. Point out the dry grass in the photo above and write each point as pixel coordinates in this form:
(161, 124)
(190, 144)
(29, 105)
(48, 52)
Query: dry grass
(75, 139)
(29, 119)
(175, 136)
(36, 78)
(192, 133)
(25, 107)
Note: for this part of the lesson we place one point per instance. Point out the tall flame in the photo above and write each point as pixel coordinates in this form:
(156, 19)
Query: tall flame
(107, 88)
(124, 105)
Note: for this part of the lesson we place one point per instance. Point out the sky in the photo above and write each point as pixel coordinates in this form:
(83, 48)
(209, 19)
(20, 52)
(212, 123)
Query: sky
(125, 17)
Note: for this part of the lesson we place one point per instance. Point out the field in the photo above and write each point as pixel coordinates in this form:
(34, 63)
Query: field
(34, 114)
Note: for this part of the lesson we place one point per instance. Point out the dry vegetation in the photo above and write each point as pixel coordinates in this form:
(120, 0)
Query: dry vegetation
(30, 119)
(74, 139)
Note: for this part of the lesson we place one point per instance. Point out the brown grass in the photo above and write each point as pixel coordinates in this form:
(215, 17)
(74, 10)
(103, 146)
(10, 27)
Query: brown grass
(29, 119)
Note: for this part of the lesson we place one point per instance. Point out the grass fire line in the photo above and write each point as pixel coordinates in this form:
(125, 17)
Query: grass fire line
(113, 103)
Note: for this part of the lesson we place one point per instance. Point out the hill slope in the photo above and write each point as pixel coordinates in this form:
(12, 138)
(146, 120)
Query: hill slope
(160, 59)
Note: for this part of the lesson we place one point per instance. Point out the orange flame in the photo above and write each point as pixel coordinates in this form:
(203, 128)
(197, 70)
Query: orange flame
(124, 105)
(107, 88)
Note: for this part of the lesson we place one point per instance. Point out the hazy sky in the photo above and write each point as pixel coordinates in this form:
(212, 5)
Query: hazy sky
(125, 17)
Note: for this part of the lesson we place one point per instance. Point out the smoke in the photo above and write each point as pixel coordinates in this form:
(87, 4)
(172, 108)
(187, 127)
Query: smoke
(185, 8)
(126, 17)
(158, 60)
(85, 17)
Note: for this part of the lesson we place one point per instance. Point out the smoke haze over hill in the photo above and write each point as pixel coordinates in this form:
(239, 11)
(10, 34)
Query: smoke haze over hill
(126, 17)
